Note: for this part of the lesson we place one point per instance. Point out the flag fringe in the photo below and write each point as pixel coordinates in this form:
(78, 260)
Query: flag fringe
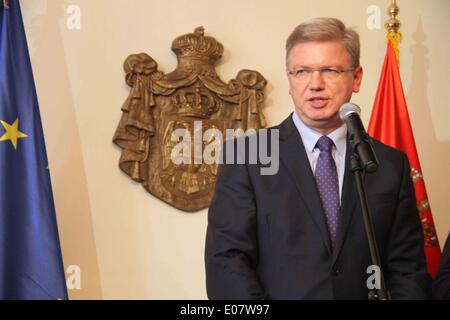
(395, 38)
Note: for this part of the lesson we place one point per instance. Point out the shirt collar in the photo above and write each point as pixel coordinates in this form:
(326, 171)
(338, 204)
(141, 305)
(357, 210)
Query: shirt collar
(310, 136)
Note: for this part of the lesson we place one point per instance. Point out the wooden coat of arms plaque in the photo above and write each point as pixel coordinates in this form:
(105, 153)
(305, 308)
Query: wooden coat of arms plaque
(193, 98)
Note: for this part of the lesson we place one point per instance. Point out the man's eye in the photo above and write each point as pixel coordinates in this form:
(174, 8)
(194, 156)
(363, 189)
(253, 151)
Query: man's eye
(302, 72)
(329, 71)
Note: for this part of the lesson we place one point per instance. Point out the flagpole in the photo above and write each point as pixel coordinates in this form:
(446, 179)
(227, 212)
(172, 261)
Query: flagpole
(394, 36)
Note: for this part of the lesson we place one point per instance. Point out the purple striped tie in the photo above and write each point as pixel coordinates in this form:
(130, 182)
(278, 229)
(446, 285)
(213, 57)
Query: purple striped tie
(328, 185)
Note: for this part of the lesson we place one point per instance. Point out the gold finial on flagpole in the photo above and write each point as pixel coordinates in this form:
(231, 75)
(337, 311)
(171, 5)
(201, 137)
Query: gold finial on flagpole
(5, 4)
(393, 26)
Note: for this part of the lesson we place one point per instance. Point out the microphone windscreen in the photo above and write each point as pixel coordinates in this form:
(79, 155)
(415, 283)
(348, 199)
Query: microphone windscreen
(347, 109)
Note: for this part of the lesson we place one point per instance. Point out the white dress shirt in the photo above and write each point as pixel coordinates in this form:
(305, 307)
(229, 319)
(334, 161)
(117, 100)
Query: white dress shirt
(310, 137)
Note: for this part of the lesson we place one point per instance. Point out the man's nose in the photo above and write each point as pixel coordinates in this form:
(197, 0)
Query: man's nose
(316, 82)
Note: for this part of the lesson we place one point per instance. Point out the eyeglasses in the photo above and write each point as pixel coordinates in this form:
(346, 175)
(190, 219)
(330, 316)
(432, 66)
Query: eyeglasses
(327, 74)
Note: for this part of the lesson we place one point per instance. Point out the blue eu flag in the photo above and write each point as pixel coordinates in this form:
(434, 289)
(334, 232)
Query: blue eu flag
(30, 255)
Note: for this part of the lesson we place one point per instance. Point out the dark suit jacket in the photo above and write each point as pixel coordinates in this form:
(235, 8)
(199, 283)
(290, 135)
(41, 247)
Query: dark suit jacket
(441, 285)
(267, 236)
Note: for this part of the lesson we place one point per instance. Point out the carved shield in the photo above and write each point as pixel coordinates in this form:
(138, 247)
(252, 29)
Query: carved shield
(193, 100)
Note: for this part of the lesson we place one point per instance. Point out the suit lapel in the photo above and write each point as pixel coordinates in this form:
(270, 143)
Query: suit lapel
(293, 157)
(349, 200)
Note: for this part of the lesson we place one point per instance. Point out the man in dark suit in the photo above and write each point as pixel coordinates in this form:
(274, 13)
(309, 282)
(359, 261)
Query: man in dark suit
(441, 285)
(299, 234)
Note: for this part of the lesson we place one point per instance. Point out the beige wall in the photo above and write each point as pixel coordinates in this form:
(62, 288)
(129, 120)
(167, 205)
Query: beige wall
(128, 243)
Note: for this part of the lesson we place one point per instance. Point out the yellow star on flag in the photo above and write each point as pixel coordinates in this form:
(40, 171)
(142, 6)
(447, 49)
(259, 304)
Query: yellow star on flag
(12, 132)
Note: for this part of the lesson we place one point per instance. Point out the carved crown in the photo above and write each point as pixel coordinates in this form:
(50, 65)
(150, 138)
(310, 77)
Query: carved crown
(198, 46)
(195, 103)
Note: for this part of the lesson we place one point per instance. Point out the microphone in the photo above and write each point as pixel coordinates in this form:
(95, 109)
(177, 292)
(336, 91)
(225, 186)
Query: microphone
(358, 137)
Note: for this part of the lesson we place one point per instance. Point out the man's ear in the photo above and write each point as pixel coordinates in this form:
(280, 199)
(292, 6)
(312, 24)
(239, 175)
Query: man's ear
(287, 75)
(357, 78)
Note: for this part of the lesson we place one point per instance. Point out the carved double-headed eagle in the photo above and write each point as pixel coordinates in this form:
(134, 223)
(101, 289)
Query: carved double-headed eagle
(159, 104)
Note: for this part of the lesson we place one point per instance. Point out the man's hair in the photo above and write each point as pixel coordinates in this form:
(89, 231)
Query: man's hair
(325, 29)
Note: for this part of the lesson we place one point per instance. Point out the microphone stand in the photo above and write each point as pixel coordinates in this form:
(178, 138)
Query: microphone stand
(378, 293)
